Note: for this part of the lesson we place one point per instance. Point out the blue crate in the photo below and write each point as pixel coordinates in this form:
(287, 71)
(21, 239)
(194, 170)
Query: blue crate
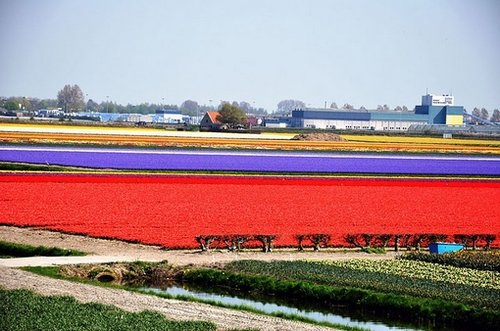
(441, 248)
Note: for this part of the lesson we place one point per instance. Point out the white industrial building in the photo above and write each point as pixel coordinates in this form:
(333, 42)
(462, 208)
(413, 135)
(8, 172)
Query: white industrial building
(434, 110)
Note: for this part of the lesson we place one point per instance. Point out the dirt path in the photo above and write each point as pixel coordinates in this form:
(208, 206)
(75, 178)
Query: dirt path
(129, 301)
(102, 250)
(122, 251)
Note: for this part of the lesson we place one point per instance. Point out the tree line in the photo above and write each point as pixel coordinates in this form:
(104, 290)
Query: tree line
(365, 241)
(72, 99)
(484, 114)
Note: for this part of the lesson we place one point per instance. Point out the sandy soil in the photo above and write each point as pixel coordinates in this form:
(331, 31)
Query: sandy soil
(112, 250)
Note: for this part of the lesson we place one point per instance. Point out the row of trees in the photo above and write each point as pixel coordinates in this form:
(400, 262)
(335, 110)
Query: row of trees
(348, 106)
(287, 106)
(72, 99)
(484, 114)
(235, 242)
(192, 108)
(359, 240)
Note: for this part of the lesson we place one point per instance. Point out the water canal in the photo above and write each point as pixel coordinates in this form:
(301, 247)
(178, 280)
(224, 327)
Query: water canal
(269, 307)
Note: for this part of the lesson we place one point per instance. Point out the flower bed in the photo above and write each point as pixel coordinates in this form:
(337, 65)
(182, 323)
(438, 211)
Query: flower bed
(172, 211)
(253, 161)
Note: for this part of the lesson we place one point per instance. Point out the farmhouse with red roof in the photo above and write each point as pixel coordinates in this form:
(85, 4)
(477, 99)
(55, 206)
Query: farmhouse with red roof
(209, 121)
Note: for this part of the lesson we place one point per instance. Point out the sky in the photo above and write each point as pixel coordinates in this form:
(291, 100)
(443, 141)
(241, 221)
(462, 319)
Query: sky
(362, 52)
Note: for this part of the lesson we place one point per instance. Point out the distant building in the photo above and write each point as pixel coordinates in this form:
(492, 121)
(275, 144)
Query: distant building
(209, 121)
(277, 122)
(434, 110)
(49, 113)
(437, 100)
(171, 116)
(136, 118)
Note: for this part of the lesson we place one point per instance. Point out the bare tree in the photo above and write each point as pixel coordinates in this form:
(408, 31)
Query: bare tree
(474, 238)
(266, 241)
(367, 238)
(462, 238)
(205, 241)
(495, 117)
(436, 237)
(383, 239)
(353, 239)
(189, 107)
(397, 239)
(406, 241)
(484, 114)
(418, 240)
(319, 240)
(489, 239)
(476, 112)
(300, 241)
(234, 242)
(245, 106)
(289, 105)
(71, 98)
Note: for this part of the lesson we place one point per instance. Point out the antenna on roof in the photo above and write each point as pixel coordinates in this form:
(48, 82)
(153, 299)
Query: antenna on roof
(426, 91)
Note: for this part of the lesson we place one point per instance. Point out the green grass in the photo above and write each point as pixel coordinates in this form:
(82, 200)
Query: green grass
(52, 272)
(373, 250)
(8, 249)
(22, 310)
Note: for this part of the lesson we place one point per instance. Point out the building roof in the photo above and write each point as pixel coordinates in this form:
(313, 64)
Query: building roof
(313, 114)
(213, 116)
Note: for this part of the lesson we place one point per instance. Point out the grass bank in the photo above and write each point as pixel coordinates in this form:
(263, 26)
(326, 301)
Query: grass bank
(53, 272)
(9, 249)
(420, 311)
(23, 310)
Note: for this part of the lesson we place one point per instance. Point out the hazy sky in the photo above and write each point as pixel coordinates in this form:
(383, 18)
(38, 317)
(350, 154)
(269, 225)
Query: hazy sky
(261, 51)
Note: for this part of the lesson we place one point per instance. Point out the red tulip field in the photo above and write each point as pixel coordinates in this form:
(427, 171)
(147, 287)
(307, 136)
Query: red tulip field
(172, 210)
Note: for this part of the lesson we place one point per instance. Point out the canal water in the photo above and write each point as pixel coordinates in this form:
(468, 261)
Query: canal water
(270, 308)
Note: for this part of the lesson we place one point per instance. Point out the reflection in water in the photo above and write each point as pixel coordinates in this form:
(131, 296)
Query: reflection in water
(276, 308)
